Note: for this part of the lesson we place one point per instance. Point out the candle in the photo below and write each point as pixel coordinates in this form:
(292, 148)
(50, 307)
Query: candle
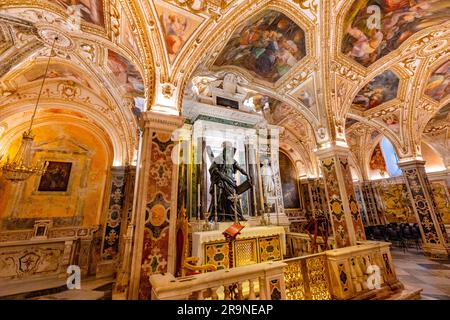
(235, 207)
(215, 196)
(198, 201)
(254, 201)
(215, 203)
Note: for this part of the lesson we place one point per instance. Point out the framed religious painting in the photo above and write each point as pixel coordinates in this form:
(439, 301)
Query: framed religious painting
(56, 178)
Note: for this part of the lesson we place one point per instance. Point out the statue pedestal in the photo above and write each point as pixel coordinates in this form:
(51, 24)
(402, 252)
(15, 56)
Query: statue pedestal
(253, 245)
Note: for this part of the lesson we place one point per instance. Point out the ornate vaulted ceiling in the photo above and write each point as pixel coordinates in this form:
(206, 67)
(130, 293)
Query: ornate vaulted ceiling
(335, 70)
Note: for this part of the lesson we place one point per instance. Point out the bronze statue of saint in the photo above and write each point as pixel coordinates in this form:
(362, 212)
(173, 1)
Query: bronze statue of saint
(222, 171)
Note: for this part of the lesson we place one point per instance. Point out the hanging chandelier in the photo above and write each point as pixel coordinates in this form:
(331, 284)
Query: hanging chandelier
(22, 167)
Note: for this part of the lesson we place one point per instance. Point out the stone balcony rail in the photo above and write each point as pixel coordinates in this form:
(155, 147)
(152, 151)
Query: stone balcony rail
(300, 244)
(263, 281)
(364, 271)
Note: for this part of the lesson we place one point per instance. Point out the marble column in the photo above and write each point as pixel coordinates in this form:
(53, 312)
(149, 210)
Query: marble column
(155, 205)
(345, 216)
(370, 201)
(434, 236)
(112, 222)
(318, 198)
(126, 236)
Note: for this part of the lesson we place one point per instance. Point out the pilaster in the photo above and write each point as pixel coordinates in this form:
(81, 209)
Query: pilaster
(346, 221)
(155, 206)
(434, 236)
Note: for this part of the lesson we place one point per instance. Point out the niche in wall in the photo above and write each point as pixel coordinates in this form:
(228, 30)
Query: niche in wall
(289, 183)
(71, 191)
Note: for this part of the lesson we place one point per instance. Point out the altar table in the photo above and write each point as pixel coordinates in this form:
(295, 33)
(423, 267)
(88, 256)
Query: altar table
(252, 245)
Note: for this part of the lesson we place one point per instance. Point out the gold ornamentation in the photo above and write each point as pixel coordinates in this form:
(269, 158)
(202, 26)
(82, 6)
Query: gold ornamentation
(293, 279)
(168, 90)
(318, 281)
(245, 251)
(308, 5)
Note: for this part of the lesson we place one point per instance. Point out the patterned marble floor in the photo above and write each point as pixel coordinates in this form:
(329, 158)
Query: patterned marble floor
(415, 270)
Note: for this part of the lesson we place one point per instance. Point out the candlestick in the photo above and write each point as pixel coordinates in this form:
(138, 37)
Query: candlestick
(254, 201)
(198, 202)
(235, 207)
(215, 204)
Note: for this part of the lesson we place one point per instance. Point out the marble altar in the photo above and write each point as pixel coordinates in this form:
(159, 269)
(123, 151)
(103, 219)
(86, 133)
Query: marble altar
(253, 245)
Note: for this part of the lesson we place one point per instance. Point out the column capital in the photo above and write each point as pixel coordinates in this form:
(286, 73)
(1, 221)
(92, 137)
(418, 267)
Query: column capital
(409, 163)
(331, 151)
(160, 121)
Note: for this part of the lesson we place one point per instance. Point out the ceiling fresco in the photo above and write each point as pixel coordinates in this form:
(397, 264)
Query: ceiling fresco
(91, 11)
(5, 42)
(366, 41)
(377, 162)
(146, 53)
(268, 45)
(438, 86)
(440, 118)
(349, 122)
(127, 77)
(381, 89)
(177, 26)
(307, 94)
(55, 71)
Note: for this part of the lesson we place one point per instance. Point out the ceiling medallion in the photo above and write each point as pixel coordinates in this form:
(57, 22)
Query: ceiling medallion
(434, 47)
(48, 34)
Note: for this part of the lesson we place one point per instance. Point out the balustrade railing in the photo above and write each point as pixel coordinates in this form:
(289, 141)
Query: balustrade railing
(301, 244)
(307, 278)
(264, 281)
(358, 272)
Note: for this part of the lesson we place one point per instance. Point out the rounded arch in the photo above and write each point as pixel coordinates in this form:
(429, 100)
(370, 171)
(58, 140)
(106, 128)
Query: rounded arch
(100, 38)
(377, 142)
(434, 160)
(433, 87)
(394, 139)
(16, 132)
(355, 166)
(123, 148)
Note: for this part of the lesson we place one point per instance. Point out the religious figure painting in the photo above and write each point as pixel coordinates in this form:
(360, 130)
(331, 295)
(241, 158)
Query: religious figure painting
(56, 71)
(392, 121)
(56, 177)
(442, 114)
(289, 182)
(306, 93)
(268, 46)
(349, 122)
(366, 41)
(377, 161)
(126, 75)
(89, 10)
(379, 90)
(177, 27)
(264, 103)
(127, 35)
(438, 85)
